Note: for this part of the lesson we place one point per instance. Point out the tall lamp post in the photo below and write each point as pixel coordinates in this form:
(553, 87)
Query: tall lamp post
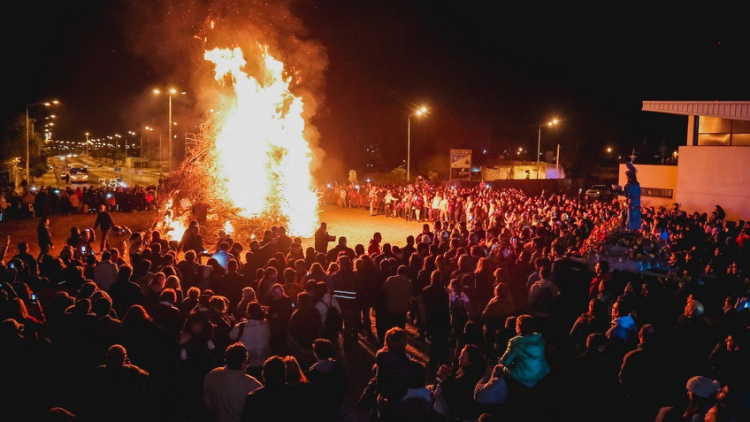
(551, 123)
(169, 93)
(148, 129)
(46, 104)
(419, 112)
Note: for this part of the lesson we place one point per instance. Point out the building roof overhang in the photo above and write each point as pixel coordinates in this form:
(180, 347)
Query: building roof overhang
(735, 110)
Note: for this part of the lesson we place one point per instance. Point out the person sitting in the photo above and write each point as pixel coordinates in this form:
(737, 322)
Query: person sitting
(456, 387)
(524, 359)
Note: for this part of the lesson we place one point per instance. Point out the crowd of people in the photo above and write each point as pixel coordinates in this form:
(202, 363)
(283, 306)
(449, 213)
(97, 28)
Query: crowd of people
(486, 314)
(44, 201)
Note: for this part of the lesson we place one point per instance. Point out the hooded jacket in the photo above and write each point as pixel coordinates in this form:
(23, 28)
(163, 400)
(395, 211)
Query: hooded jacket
(524, 359)
(623, 328)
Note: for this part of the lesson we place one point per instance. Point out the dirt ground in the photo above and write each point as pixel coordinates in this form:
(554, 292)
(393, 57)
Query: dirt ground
(355, 224)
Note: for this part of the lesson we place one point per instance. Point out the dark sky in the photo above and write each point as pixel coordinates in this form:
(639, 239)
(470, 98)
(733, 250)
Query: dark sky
(490, 71)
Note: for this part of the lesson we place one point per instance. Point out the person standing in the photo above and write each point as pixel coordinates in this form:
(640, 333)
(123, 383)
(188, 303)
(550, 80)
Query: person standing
(200, 210)
(322, 238)
(436, 305)
(104, 221)
(397, 295)
(44, 237)
(225, 389)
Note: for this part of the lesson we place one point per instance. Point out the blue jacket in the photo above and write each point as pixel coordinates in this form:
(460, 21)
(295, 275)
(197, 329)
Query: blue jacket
(524, 359)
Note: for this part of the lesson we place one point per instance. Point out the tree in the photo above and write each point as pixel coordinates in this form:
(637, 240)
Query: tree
(13, 139)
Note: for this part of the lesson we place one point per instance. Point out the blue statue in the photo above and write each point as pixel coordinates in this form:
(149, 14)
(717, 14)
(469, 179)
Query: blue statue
(632, 192)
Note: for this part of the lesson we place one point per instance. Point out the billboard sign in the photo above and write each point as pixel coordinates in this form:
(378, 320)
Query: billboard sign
(460, 164)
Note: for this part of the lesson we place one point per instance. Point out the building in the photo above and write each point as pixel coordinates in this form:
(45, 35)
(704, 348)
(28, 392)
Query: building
(714, 164)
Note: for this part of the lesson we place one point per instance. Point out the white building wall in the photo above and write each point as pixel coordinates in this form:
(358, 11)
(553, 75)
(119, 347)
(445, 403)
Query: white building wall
(710, 176)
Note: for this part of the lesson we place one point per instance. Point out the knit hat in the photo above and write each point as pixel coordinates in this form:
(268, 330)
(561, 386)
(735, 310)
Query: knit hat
(703, 387)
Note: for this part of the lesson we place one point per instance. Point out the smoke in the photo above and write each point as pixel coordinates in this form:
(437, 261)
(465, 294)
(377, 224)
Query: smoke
(173, 35)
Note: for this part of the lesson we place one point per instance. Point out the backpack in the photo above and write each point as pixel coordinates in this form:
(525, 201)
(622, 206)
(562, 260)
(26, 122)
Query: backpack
(332, 324)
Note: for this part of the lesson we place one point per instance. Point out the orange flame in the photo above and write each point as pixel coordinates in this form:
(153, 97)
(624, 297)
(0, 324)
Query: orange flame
(262, 159)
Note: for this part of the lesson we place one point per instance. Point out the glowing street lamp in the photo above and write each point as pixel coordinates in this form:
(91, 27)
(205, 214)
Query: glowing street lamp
(46, 104)
(170, 92)
(551, 123)
(422, 111)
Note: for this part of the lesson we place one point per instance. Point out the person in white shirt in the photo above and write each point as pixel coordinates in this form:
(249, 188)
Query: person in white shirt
(105, 272)
(226, 388)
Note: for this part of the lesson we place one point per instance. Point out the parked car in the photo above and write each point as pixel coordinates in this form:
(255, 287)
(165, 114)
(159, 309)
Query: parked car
(600, 192)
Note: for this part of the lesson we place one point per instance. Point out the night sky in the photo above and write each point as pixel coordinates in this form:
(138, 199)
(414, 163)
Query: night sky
(490, 71)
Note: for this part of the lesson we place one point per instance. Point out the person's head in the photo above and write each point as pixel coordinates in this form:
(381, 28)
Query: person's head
(694, 308)
(436, 277)
(255, 311)
(602, 267)
(647, 334)
(320, 290)
(277, 292)
(23, 247)
(224, 246)
(323, 225)
(106, 256)
(194, 292)
(116, 357)
(232, 266)
(294, 374)
(342, 241)
(304, 301)
(702, 388)
(323, 349)
(274, 371)
(248, 293)
(377, 237)
(345, 263)
(395, 340)
(620, 309)
(190, 256)
(545, 272)
(525, 325)
(403, 270)
(470, 355)
(102, 306)
(236, 356)
(168, 296)
(270, 273)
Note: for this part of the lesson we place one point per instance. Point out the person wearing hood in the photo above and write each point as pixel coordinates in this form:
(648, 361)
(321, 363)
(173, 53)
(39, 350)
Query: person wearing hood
(327, 378)
(623, 327)
(524, 359)
(702, 394)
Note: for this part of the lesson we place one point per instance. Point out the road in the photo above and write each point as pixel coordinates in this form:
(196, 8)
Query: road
(97, 169)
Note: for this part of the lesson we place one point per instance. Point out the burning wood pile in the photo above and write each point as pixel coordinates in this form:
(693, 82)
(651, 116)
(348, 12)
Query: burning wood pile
(250, 162)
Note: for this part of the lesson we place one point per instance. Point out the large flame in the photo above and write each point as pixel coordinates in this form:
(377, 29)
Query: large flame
(262, 159)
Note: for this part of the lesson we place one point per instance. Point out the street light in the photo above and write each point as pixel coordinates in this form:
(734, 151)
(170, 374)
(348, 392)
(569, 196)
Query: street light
(87, 142)
(422, 111)
(551, 123)
(148, 129)
(170, 93)
(46, 104)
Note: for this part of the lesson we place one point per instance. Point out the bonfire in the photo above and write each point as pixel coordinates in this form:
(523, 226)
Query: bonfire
(250, 161)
